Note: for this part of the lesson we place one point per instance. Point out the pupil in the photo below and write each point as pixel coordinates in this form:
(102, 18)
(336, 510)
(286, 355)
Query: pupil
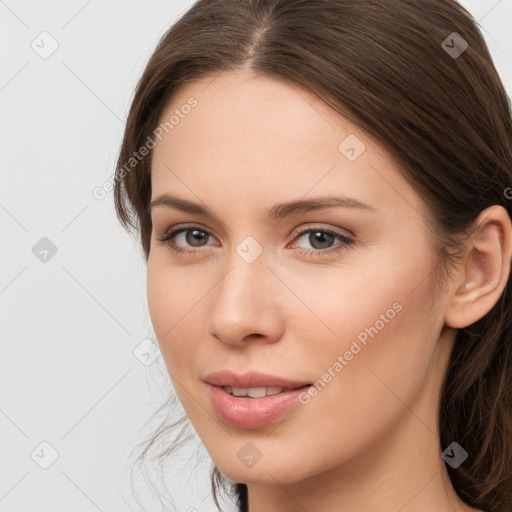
(324, 239)
(196, 236)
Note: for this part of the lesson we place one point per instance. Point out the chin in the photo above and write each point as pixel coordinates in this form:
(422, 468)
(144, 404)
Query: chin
(263, 473)
(271, 468)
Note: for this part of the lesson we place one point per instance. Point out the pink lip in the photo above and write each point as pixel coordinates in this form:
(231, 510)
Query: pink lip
(246, 412)
(252, 413)
(251, 379)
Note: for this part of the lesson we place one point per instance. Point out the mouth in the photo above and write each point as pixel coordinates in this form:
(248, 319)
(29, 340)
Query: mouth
(252, 400)
(254, 407)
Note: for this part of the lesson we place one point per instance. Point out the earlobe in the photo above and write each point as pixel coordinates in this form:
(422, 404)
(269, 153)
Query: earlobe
(485, 271)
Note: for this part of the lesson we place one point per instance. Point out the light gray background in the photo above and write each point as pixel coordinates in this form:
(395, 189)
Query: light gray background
(73, 326)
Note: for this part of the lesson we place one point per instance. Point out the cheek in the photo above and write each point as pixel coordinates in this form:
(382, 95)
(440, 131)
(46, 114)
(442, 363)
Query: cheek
(173, 299)
(374, 331)
(374, 296)
(386, 339)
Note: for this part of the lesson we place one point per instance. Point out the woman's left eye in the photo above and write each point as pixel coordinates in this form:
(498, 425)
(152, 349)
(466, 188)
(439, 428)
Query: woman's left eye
(320, 239)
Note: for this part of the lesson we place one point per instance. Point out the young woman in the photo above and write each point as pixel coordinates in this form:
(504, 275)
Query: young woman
(323, 194)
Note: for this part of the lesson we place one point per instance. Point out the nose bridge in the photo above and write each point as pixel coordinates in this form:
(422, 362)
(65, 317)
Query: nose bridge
(244, 303)
(243, 286)
(247, 270)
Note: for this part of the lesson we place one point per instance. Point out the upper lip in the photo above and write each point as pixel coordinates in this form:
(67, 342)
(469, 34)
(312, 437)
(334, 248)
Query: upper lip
(252, 379)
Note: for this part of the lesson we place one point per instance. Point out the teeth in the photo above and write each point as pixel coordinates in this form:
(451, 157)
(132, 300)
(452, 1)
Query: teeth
(256, 392)
(253, 392)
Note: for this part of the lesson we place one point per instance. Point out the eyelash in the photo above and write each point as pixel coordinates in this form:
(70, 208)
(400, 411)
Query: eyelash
(168, 239)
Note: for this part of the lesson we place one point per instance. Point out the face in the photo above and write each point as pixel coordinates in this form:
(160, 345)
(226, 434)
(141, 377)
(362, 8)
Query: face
(337, 296)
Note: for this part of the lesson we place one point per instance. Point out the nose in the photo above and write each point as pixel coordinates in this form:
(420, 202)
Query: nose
(246, 304)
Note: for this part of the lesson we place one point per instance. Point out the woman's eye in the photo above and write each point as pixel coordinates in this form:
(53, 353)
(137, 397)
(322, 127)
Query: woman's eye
(179, 239)
(322, 240)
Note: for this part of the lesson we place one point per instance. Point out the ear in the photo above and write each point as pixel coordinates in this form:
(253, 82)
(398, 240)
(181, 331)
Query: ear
(484, 272)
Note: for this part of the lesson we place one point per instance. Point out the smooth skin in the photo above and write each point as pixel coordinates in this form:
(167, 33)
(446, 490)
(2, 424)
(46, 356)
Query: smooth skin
(369, 439)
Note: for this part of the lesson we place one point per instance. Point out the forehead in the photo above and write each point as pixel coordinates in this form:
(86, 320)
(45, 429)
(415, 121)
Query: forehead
(262, 140)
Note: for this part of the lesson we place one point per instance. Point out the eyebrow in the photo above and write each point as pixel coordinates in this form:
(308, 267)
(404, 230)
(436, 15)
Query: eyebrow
(278, 211)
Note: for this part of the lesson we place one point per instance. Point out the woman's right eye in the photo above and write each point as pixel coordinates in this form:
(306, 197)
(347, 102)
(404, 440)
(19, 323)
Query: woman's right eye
(188, 236)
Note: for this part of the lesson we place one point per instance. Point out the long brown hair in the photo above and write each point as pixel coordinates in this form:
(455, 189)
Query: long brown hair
(433, 99)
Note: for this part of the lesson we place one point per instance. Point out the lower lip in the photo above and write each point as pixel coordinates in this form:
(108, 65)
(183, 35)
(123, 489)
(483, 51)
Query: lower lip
(245, 412)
